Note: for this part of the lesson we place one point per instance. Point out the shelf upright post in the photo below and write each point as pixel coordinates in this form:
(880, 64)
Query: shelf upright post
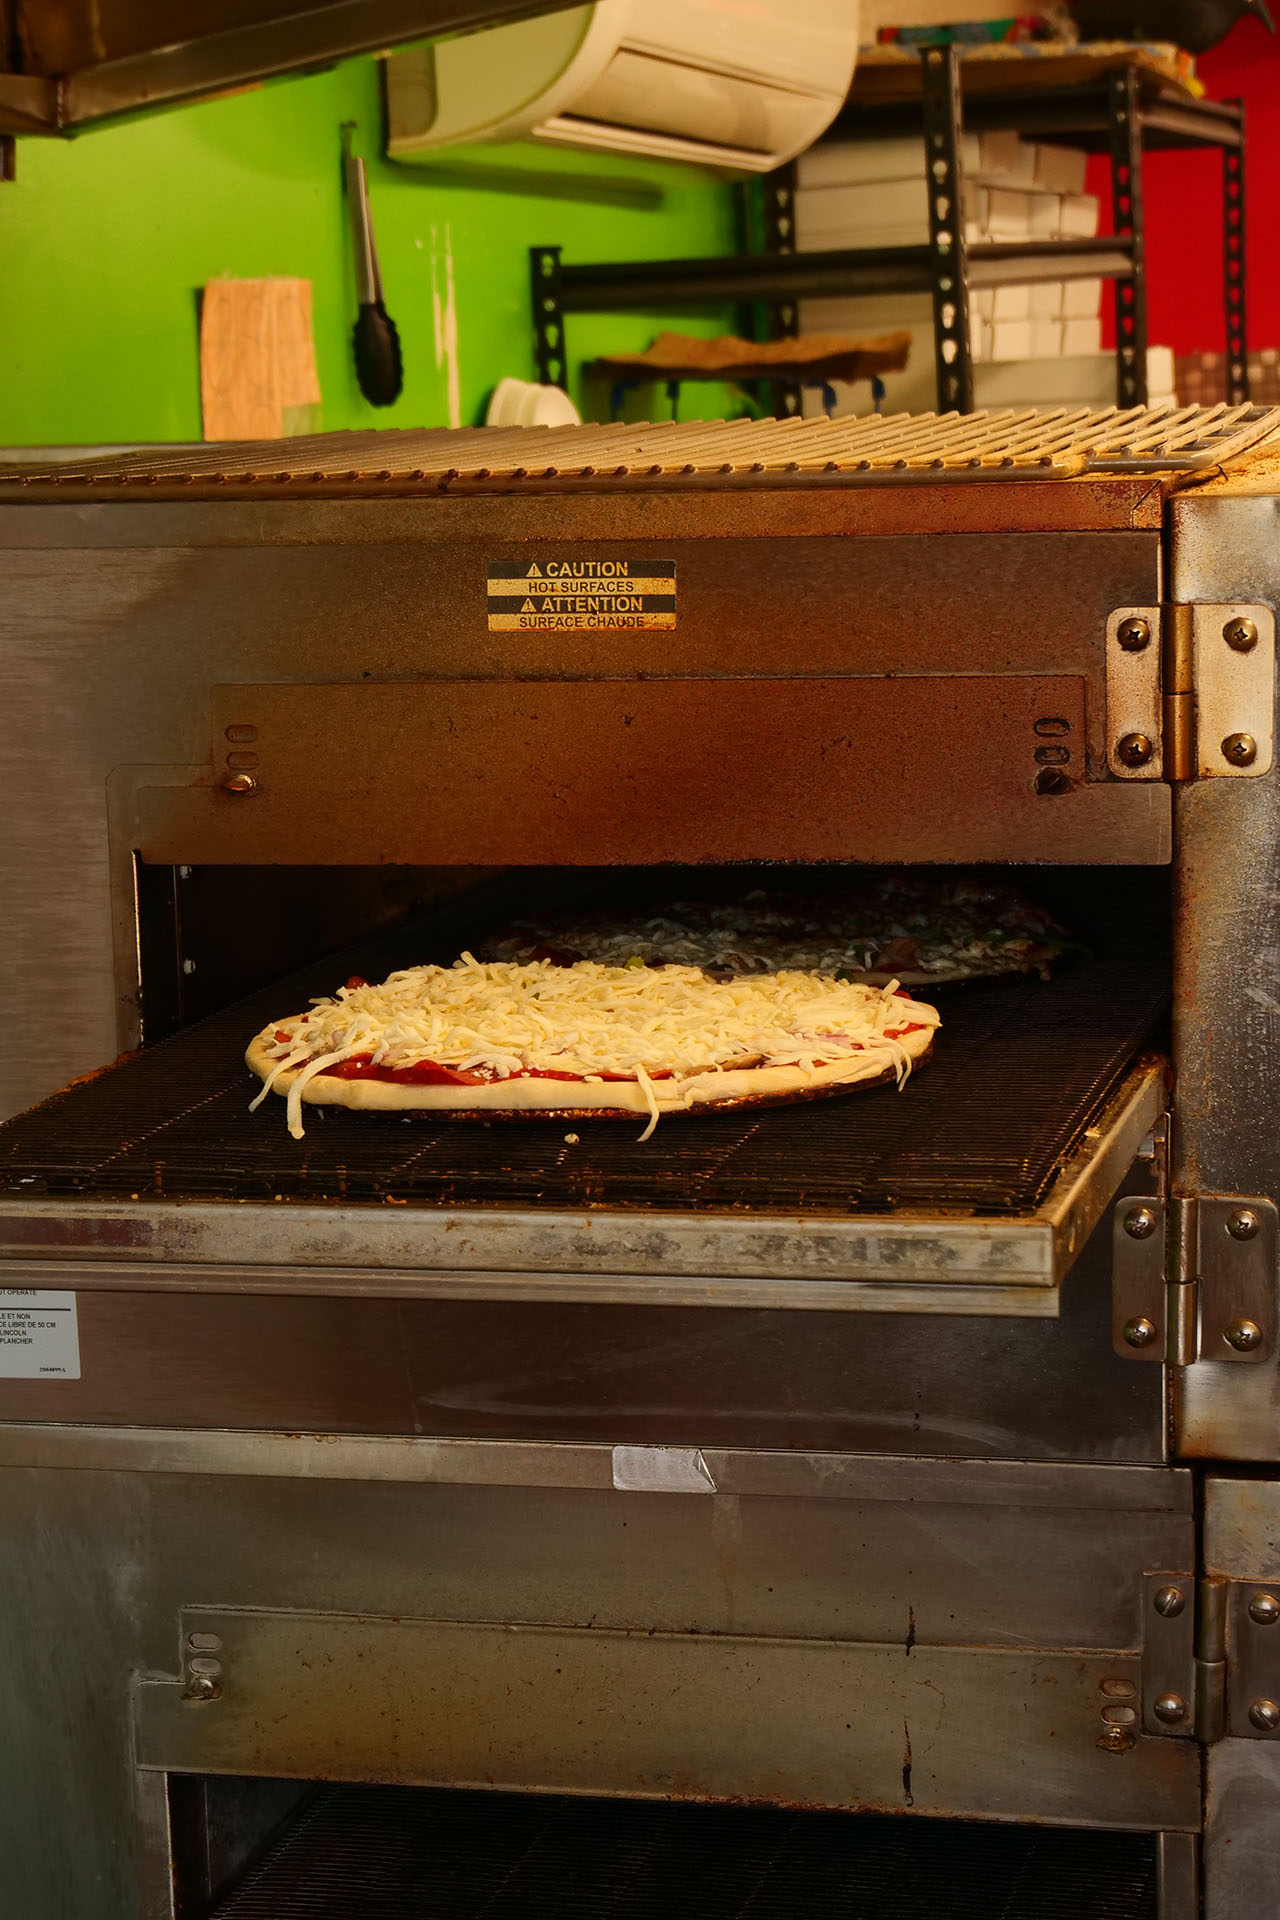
(1233, 268)
(551, 360)
(948, 252)
(1125, 116)
(780, 237)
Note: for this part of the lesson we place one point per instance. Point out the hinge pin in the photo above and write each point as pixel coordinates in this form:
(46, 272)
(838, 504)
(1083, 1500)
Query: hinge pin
(1239, 634)
(1169, 1602)
(1264, 1609)
(1265, 1715)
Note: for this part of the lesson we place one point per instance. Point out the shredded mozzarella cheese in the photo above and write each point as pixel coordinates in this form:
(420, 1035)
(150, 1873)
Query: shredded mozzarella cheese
(502, 1018)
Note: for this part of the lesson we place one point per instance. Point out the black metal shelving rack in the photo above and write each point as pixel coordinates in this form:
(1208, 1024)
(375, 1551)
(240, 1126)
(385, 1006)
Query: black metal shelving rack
(1122, 111)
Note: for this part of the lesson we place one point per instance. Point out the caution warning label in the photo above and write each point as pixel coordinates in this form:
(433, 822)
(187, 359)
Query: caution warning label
(589, 594)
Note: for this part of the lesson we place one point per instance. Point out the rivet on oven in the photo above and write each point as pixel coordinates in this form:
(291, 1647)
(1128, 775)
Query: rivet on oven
(1241, 635)
(1119, 1716)
(1050, 728)
(1241, 749)
(239, 783)
(1117, 1740)
(1169, 1602)
(1051, 756)
(242, 733)
(1243, 1335)
(1140, 1223)
(1140, 1332)
(1243, 1224)
(1264, 1609)
(1134, 634)
(1117, 1689)
(1135, 749)
(1170, 1708)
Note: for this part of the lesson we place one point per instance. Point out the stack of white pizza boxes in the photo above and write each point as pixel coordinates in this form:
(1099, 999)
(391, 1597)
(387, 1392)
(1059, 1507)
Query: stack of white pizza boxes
(1035, 345)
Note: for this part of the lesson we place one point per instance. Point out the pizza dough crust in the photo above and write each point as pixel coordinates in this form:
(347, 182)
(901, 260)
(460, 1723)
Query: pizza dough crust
(594, 1100)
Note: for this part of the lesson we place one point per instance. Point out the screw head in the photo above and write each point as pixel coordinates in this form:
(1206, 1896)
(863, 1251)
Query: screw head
(1116, 1740)
(1140, 1223)
(1135, 749)
(1169, 1602)
(1264, 1715)
(1241, 635)
(1264, 1609)
(1140, 1332)
(1134, 634)
(1244, 1335)
(1244, 1224)
(1170, 1708)
(239, 783)
(1241, 749)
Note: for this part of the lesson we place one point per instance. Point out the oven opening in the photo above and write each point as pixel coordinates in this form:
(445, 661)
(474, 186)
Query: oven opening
(260, 1849)
(1025, 1064)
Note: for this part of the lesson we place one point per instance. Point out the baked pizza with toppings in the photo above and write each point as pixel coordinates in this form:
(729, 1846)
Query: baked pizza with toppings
(916, 929)
(588, 1041)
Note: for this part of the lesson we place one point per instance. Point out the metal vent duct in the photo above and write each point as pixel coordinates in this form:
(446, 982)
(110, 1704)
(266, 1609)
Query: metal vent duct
(74, 62)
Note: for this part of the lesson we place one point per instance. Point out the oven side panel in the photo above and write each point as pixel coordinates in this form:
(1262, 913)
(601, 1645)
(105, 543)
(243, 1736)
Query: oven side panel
(1227, 977)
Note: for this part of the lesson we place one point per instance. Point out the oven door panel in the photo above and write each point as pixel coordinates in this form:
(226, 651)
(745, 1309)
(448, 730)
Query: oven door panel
(624, 771)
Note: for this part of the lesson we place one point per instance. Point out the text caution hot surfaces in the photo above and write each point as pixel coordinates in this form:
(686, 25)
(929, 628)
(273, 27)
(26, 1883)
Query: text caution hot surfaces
(585, 594)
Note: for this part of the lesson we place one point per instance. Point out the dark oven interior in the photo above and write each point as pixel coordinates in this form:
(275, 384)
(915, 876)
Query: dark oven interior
(1021, 1067)
(256, 1849)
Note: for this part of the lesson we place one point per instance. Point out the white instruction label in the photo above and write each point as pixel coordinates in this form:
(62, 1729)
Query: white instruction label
(39, 1337)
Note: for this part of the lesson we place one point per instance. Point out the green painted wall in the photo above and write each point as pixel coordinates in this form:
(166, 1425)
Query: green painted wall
(105, 240)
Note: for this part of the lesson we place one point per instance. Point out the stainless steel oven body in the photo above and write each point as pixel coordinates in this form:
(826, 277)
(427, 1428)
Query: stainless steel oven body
(908, 1503)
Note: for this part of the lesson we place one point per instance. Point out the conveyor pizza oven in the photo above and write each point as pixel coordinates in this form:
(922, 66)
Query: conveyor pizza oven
(899, 1452)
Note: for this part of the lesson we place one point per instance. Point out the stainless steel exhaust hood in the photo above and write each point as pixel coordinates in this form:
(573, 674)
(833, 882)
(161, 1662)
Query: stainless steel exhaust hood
(66, 64)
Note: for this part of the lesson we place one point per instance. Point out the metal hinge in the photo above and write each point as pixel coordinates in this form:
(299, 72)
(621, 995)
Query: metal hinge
(1210, 1657)
(1193, 1276)
(1190, 691)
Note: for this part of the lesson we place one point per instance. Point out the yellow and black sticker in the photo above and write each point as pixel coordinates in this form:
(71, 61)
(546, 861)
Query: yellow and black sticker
(586, 594)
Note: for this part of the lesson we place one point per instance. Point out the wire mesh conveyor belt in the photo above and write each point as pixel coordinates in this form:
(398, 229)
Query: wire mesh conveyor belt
(1020, 1069)
(386, 1853)
(1005, 443)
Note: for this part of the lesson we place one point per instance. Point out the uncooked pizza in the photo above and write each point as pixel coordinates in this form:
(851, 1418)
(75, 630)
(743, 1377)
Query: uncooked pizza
(916, 929)
(587, 1041)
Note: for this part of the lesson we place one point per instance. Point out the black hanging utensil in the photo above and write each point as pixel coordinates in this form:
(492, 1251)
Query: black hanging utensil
(379, 366)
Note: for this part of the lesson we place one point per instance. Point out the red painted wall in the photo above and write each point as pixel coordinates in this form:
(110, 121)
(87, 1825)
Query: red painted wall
(1184, 209)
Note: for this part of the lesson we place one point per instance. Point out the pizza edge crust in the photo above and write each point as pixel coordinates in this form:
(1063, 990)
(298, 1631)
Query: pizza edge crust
(612, 1099)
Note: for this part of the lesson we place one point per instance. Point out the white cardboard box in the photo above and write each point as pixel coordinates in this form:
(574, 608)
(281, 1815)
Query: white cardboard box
(985, 157)
(1082, 336)
(1060, 169)
(1081, 299)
